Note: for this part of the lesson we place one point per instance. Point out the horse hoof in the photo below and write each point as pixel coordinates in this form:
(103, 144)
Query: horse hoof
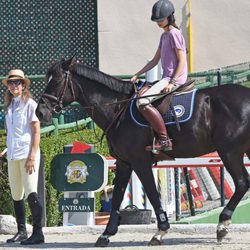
(221, 234)
(102, 242)
(154, 242)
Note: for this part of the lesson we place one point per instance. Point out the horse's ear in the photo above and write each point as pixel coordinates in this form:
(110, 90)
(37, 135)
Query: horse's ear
(66, 64)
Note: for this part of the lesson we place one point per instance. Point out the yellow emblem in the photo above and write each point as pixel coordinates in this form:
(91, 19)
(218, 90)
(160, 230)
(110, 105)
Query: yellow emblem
(77, 171)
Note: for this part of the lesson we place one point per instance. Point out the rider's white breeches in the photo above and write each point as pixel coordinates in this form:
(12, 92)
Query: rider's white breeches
(21, 182)
(155, 89)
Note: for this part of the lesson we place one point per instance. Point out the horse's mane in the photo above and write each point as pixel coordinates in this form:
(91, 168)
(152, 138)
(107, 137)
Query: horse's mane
(96, 75)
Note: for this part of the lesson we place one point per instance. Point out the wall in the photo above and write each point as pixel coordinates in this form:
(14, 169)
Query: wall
(221, 33)
(127, 37)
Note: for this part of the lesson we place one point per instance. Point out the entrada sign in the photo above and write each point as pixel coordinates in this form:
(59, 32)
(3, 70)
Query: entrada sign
(76, 205)
(79, 172)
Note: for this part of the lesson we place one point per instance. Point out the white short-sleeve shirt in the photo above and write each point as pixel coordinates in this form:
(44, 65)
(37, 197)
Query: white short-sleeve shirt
(18, 119)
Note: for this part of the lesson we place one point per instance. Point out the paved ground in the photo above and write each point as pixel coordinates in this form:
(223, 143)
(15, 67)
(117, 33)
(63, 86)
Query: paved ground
(137, 237)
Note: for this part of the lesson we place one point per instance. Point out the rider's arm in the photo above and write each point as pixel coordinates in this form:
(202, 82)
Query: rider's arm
(181, 62)
(30, 162)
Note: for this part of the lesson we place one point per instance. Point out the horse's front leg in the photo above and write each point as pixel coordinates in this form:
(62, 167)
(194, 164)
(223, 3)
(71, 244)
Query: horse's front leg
(145, 174)
(123, 173)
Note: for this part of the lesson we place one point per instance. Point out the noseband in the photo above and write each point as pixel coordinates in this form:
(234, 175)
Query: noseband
(57, 108)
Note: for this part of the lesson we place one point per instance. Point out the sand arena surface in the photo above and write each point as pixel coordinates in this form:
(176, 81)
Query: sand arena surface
(200, 236)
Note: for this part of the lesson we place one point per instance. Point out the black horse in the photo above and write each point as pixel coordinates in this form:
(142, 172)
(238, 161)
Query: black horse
(220, 122)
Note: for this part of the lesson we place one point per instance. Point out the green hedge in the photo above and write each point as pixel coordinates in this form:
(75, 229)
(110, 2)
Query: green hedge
(52, 145)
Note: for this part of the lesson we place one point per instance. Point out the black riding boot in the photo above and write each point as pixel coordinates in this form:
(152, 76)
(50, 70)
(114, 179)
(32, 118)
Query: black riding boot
(37, 236)
(152, 115)
(21, 234)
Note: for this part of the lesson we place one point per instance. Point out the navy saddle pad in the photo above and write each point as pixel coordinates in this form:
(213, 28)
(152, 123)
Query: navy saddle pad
(183, 105)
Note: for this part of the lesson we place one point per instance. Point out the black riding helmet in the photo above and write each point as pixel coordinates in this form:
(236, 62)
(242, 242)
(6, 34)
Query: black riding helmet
(161, 10)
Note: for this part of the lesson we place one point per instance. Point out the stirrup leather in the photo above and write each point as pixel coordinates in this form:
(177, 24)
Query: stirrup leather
(154, 150)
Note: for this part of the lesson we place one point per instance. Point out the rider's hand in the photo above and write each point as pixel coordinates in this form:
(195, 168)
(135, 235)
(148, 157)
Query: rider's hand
(168, 88)
(134, 79)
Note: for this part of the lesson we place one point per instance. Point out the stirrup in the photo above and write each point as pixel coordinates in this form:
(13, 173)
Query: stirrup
(169, 146)
(155, 150)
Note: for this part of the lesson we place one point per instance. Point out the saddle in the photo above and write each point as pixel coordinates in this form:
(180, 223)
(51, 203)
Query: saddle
(165, 102)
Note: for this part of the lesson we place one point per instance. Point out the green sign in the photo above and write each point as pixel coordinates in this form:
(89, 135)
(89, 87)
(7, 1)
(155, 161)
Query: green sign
(79, 172)
(76, 205)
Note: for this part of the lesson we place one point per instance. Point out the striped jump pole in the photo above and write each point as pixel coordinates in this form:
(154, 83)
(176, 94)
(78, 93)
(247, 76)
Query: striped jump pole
(127, 199)
(138, 195)
(148, 204)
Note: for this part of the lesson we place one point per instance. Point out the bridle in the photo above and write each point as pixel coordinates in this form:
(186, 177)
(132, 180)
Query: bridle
(57, 108)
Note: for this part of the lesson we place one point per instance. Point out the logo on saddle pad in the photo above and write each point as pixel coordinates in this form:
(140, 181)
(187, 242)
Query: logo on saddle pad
(179, 110)
(182, 104)
(77, 171)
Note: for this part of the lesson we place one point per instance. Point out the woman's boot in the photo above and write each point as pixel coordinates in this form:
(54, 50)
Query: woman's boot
(21, 234)
(152, 115)
(37, 236)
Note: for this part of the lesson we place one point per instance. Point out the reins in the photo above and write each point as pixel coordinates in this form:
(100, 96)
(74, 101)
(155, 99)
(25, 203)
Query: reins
(68, 82)
(138, 97)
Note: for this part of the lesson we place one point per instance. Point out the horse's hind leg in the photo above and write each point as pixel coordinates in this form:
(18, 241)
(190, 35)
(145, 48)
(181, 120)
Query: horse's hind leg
(145, 174)
(123, 173)
(235, 167)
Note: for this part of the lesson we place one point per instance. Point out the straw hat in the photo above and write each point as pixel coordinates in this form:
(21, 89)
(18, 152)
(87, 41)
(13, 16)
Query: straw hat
(16, 74)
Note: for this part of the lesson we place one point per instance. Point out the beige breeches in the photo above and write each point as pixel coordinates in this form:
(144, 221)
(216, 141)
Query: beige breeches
(21, 182)
(155, 89)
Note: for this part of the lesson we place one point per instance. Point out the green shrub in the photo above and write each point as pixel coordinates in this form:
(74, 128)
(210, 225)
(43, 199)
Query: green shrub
(52, 145)
(5, 196)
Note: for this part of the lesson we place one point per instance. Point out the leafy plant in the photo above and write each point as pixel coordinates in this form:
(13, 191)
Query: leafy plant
(51, 145)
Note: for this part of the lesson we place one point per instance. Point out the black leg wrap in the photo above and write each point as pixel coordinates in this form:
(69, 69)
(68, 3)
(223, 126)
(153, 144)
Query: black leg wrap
(225, 215)
(162, 220)
(114, 222)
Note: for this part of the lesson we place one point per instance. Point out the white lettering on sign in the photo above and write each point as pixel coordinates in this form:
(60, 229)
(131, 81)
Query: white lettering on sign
(74, 208)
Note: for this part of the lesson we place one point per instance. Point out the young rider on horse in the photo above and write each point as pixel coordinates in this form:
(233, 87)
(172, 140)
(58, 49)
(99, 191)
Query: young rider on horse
(172, 53)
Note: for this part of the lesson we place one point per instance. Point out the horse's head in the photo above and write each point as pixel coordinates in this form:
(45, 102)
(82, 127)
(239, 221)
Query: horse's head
(59, 91)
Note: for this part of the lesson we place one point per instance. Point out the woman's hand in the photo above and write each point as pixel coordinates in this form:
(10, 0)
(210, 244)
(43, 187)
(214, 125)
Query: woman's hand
(30, 165)
(3, 153)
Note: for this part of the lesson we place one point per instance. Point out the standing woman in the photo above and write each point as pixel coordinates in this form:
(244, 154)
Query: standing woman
(172, 53)
(23, 155)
